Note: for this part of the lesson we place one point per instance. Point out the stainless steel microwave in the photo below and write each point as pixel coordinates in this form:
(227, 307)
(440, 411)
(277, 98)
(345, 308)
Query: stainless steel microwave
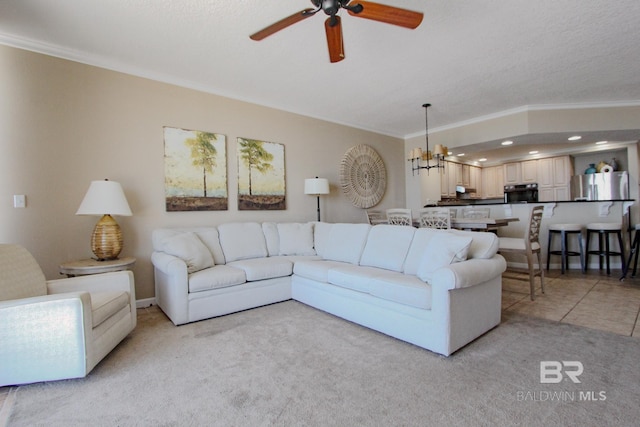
(521, 193)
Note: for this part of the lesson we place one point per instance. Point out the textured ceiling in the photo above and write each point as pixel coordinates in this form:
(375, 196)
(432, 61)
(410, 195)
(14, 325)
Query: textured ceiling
(468, 58)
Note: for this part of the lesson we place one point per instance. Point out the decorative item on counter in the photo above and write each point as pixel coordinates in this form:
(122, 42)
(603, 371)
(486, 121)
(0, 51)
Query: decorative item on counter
(601, 165)
(614, 164)
(590, 169)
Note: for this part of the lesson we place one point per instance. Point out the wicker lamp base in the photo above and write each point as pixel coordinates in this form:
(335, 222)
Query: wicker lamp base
(106, 240)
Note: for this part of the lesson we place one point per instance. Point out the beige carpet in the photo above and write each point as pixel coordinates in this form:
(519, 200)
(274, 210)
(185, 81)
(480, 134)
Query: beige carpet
(290, 365)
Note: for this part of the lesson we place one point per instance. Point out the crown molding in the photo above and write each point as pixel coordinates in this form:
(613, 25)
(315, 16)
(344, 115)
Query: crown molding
(528, 109)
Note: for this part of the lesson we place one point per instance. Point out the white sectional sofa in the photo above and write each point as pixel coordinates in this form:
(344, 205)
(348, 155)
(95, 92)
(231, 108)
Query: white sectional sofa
(436, 289)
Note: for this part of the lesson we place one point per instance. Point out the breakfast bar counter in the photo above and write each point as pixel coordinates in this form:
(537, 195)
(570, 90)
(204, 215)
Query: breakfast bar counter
(573, 212)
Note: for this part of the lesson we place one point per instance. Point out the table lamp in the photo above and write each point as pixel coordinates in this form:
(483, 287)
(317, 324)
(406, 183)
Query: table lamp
(105, 198)
(316, 187)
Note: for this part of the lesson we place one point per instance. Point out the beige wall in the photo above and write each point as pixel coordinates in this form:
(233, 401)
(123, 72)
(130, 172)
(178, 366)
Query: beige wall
(64, 124)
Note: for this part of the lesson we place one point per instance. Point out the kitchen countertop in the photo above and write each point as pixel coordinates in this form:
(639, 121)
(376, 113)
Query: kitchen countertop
(494, 202)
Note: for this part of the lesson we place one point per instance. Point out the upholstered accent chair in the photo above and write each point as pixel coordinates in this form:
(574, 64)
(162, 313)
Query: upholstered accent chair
(58, 329)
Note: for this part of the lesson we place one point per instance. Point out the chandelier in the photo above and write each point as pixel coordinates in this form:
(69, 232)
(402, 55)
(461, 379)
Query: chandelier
(422, 159)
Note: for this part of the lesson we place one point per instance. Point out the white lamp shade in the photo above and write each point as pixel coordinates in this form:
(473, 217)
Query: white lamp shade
(316, 186)
(104, 198)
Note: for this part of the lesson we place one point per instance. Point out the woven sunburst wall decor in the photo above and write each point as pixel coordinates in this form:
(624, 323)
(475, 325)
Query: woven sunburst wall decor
(363, 176)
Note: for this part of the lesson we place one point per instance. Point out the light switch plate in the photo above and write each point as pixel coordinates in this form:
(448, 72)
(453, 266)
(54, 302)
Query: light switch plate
(19, 201)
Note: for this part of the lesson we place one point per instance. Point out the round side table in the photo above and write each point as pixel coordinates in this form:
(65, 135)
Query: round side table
(84, 267)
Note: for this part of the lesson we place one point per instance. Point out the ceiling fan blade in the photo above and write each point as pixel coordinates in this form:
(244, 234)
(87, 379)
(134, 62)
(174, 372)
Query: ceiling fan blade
(282, 24)
(389, 14)
(334, 38)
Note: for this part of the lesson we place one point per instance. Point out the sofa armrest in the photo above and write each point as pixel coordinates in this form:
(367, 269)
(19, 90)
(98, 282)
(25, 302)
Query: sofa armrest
(470, 272)
(44, 338)
(172, 286)
(168, 264)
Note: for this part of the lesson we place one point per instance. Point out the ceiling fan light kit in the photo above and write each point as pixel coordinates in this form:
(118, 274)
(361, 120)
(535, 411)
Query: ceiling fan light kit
(333, 25)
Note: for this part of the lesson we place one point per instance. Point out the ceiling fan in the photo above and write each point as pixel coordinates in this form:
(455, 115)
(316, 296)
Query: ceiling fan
(333, 27)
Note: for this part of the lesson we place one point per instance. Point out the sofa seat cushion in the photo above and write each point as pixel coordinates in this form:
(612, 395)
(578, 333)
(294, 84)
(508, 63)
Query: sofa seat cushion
(316, 270)
(354, 277)
(401, 288)
(264, 268)
(216, 277)
(297, 258)
(106, 304)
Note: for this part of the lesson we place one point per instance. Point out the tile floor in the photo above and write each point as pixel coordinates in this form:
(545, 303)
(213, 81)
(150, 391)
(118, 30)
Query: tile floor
(593, 300)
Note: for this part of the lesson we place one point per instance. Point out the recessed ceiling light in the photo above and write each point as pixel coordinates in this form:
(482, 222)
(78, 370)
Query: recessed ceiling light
(533, 152)
(482, 159)
(506, 143)
(449, 153)
(602, 142)
(460, 155)
(575, 138)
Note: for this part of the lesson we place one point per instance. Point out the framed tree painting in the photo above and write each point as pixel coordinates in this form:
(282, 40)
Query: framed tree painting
(261, 175)
(195, 170)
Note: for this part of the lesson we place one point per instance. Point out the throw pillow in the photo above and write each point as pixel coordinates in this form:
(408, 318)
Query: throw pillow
(296, 239)
(189, 248)
(443, 249)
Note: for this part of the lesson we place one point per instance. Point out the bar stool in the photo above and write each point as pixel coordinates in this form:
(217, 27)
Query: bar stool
(635, 249)
(565, 230)
(604, 230)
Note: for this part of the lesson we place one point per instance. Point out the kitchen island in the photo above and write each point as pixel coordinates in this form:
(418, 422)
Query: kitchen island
(575, 212)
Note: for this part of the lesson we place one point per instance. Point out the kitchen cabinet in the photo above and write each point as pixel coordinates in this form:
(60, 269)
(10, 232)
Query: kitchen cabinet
(475, 181)
(562, 171)
(545, 173)
(466, 175)
(529, 171)
(512, 173)
(554, 179)
(493, 182)
(525, 172)
(455, 174)
(458, 174)
(448, 180)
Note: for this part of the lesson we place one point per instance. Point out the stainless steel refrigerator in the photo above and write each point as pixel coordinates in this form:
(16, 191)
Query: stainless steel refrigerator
(600, 186)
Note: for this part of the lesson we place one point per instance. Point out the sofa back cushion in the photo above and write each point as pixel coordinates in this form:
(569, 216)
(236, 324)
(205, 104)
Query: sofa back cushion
(242, 240)
(296, 239)
(387, 247)
(270, 230)
(484, 245)
(321, 232)
(346, 242)
(421, 239)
